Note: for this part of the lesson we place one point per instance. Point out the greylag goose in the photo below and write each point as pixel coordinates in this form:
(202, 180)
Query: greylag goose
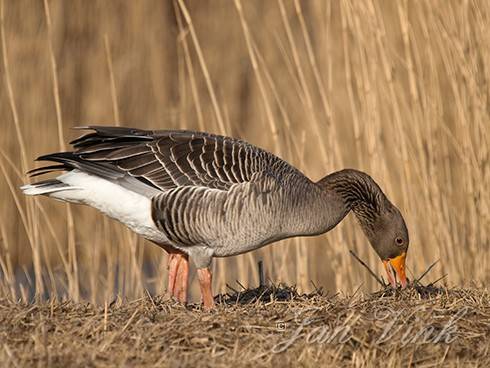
(201, 195)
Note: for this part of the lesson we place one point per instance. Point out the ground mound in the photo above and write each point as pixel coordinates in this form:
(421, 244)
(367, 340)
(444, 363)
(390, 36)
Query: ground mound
(255, 327)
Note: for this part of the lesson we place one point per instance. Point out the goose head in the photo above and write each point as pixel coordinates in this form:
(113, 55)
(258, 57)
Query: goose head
(380, 220)
(388, 235)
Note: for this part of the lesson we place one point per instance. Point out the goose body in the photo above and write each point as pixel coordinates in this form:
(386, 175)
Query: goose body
(201, 195)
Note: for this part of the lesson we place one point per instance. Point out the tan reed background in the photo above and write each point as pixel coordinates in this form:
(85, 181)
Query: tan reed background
(399, 89)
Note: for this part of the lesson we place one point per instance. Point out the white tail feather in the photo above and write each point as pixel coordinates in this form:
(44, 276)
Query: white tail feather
(131, 208)
(44, 189)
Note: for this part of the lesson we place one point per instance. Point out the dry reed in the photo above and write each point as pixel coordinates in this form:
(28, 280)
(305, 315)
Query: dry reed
(398, 89)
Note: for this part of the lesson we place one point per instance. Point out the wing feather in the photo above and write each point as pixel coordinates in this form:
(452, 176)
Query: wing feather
(170, 159)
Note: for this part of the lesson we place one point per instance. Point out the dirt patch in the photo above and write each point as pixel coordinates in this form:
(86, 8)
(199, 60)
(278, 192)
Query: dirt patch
(259, 327)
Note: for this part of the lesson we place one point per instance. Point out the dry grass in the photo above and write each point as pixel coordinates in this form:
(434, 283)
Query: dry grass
(399, 89)
(444, 327)
(396, 88)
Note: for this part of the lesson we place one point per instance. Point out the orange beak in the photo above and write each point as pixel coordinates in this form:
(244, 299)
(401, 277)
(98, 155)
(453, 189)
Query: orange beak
(397, 264)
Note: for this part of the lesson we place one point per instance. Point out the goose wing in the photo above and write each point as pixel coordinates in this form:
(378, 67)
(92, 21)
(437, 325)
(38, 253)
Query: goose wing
(173, 158)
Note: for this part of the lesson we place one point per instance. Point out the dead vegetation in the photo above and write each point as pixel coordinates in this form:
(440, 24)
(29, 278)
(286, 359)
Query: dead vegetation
(395, 88)
(422, 325)
(398, 89)
(267, 326)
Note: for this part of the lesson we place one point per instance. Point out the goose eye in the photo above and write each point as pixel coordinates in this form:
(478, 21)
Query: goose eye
(399, 241)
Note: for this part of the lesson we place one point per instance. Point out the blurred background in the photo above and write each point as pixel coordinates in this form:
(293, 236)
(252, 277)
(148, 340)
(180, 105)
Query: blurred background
(399, 89)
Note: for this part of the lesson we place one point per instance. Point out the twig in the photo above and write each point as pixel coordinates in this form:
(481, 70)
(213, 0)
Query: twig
(105, 316)
(314, 285)
(239, 283)
(150, 297)
(439, 279)
(367, 267)
(10, 355)
(261, 274)
(426, 271)
(232, 289)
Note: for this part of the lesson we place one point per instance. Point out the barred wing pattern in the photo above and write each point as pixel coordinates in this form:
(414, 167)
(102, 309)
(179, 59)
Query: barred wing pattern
(170, 159)
(210, 195)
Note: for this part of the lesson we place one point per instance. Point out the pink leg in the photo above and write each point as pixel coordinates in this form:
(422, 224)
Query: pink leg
(180, 290)
(173, 265)
(205, 281)
(178, 276)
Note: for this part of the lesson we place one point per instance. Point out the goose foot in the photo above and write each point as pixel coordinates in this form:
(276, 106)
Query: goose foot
(178, 276)
(205, 281)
